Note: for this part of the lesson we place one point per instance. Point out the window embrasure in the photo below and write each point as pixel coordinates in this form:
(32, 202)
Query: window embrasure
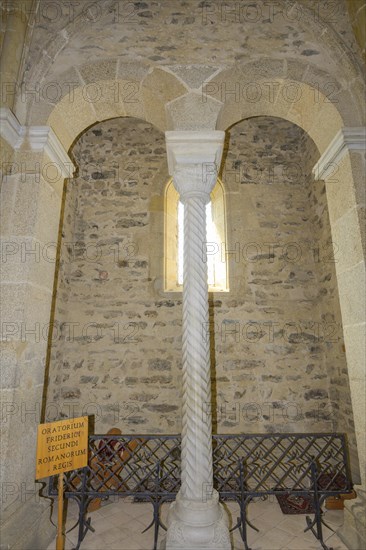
(174, 239)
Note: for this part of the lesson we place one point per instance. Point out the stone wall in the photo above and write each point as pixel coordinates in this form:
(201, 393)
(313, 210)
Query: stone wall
(118, 351)
(277, 344)
(276, 370)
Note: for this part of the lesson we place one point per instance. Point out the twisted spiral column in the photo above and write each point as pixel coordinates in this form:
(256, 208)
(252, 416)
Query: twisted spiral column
(196, 519)
(196, 422)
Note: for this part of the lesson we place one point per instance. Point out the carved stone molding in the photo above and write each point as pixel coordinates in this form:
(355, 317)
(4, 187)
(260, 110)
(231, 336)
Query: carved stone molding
(347, 139)
(38, 138)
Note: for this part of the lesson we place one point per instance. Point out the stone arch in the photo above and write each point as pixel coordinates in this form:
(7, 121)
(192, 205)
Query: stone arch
(82, 97)
(128, 246)
(308, 97)
(332, 125)
(69, 119)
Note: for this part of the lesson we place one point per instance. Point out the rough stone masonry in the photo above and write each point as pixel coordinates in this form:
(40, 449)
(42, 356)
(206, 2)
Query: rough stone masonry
(278, 361)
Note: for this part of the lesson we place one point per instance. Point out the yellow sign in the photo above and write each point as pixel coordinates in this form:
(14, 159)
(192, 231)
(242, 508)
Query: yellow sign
(62, 446)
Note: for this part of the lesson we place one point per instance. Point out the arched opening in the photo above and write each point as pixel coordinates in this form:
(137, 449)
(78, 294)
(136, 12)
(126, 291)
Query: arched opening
(114, 354)
(279, 334)
(83, 59)
(324, 118)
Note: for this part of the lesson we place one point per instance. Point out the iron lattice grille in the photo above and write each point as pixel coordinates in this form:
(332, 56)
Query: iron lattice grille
(269, 463)
(152, 466)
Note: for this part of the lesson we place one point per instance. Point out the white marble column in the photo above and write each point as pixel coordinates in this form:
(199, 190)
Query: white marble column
(196, 519)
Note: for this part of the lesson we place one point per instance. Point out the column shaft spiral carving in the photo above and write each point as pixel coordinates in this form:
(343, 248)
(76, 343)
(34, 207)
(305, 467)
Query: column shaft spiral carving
(196, 519)
(196, 423)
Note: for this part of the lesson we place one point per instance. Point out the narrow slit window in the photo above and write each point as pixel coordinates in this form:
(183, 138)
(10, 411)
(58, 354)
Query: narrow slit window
(212, 236)
(215, 240)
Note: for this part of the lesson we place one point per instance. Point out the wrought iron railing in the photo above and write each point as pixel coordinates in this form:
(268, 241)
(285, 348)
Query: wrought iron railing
(273, 462)
(245, 466)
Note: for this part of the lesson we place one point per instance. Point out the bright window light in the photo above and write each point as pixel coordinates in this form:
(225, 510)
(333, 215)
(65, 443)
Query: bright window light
(211, 237)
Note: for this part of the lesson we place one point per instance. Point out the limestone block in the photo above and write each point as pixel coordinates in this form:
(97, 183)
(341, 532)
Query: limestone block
(347, 243)
(6, 155)
(194, 76)
(158, 88)
(56, 172)
(20, 205)
(64, 133)
(119, 98)
(359, 415)
(57, 42)
(6, 204)
(13, 299)
(337, 91)
(108, 101)
(7, 401)
(33, 515)
(348, 102)
(52, 90)
(340, 187)
(248, 82)
(320, 119)
(358, 391)
(73, 114)
(261, 98)
(356, 91)
(26, 259)
(264, 69)
(358, 174)
(37, 166)
(362, 224)
(132, 71)
(10, 376)
(296, 70)
(325, 126)
(22, 421)
(63, 84)
(190, 112)
(99, 70)
(27, 307)
(39, 113)
(36, 210)
(351, 285)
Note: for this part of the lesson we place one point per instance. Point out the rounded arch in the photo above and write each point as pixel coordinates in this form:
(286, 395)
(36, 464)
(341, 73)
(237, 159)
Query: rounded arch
(258, 163)
(77, 112)
(101, 91)
(322, 119)
(70, 118)
(305, 96)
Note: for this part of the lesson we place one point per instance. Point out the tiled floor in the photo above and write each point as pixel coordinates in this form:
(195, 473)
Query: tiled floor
(119, 525)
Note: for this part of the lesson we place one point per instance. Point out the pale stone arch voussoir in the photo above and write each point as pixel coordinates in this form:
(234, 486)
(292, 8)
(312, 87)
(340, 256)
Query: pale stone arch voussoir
(124, 91)
(297, 92)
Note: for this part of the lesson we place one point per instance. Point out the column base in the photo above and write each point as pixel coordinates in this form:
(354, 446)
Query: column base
(353, 530)
(197, 525)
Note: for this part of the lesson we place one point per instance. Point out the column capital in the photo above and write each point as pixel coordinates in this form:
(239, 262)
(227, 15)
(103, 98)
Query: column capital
(194, 159)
